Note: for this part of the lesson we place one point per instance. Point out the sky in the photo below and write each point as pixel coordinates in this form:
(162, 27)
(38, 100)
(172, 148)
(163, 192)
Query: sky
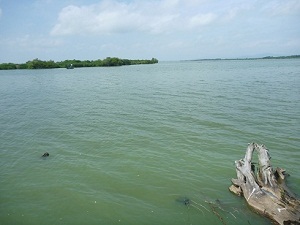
(141, 29)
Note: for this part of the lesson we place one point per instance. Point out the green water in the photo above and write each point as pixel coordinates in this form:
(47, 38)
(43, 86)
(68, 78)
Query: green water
(127, 144)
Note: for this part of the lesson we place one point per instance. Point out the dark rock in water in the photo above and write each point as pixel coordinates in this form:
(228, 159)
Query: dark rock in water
(187, 201)
(46, 154)
(218, 201)
(184, 200)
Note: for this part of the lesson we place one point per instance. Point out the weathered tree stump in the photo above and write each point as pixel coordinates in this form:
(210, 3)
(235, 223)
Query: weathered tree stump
(264, 188)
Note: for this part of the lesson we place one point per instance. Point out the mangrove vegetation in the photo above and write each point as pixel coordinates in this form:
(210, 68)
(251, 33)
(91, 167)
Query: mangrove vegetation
(266, 57)
(40, 64)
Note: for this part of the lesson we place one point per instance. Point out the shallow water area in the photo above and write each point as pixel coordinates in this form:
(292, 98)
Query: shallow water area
(126, 143)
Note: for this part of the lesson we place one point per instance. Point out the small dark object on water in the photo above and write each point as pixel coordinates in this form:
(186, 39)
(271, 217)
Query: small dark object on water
(184, 200)
(187, 201)
(46, 154)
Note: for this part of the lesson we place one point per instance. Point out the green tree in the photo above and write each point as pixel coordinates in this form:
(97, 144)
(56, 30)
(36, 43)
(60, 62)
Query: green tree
(39, 64)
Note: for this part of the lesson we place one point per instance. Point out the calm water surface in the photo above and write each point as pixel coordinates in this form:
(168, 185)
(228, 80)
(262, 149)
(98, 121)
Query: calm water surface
(128, 144)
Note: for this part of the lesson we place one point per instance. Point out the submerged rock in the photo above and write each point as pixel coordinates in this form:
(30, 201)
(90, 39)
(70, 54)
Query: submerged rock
(184, 200)
(46, 154)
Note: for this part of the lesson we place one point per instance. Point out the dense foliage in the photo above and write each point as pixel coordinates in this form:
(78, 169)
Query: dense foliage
(39, 64)
(267, 57)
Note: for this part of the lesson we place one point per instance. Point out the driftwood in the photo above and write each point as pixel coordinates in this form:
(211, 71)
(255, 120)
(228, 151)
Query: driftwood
(264, 188)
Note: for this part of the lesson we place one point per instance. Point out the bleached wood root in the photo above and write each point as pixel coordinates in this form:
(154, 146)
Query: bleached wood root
(264, 188)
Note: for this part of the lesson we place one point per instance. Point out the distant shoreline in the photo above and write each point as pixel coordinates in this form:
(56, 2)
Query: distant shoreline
(71, 64)
(266, 57)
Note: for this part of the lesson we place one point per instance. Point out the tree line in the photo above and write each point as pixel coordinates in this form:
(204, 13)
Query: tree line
(40, 64)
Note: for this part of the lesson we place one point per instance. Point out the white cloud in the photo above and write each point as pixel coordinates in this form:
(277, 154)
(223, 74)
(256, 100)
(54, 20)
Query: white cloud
(201, 19)
(106, 17)
(234, 11)
(177, 44)
(286, 7)
(293, 43)
(119, 17)
(165, 29)
(30, 42)
(259, 44)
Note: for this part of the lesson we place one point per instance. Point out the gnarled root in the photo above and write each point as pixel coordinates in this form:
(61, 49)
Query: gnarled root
(265, 190)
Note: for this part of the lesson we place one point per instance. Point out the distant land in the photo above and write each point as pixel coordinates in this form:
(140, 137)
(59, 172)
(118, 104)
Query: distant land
(71, 64)
(266, 57)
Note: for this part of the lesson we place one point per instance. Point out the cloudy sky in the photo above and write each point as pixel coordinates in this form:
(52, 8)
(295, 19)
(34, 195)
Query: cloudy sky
(142, 29)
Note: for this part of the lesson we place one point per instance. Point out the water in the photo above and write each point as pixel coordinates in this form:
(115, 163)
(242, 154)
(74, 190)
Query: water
(128, 144)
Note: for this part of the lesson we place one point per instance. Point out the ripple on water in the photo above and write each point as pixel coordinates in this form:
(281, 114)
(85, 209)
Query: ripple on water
(126, 142)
